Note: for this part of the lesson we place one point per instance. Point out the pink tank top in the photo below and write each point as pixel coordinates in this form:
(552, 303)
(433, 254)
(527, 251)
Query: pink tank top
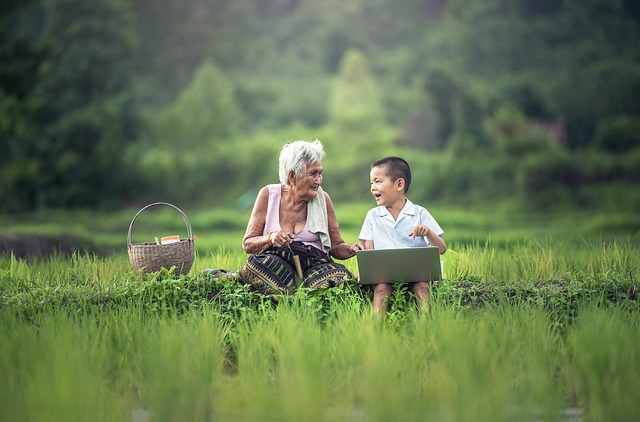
(272, 222)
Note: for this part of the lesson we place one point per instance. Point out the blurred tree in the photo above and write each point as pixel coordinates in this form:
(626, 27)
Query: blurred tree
(597, 72)
(515, 136)
(20, 57)
(356, 132)
(82, 106)
(20, 54)
(193, 139)
(618, 133)
(19, 61)
(355, 99)
(458, 108)
(204, 114)
(574, 61)
(444, 69)
(420, 129)
(177, 37)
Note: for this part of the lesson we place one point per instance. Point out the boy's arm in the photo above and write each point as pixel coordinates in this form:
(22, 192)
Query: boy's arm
(432, 237)
(365, 237)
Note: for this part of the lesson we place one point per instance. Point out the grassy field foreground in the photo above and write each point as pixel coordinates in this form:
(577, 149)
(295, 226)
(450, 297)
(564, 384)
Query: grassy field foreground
(527, 330)
(502, 363)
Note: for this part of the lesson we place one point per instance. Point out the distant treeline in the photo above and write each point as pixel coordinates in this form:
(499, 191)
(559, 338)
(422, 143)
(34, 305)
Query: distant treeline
(111, 102)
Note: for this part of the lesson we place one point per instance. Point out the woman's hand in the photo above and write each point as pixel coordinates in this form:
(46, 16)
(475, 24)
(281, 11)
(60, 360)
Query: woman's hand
(353, 248)
(346, 250)
(280, 239)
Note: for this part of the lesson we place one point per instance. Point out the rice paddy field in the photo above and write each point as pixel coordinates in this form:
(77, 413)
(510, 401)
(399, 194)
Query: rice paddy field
(535, 320)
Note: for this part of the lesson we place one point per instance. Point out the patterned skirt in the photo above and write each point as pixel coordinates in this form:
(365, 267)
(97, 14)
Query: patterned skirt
(273, 271)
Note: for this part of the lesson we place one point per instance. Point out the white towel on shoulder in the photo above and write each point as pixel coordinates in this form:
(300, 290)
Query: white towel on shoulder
(319, 220)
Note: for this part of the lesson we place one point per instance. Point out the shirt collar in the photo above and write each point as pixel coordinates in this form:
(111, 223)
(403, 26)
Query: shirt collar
(408, 209)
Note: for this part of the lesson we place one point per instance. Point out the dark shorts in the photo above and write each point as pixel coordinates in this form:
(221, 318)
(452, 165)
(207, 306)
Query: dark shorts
(273, 271)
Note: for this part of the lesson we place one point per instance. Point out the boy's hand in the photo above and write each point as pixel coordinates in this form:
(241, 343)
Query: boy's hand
(419, 231)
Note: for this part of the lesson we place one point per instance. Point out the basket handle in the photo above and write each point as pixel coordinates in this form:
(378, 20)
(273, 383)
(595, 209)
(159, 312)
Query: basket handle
(186, 220)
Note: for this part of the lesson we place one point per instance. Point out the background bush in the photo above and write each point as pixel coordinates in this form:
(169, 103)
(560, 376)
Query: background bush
(131, 101)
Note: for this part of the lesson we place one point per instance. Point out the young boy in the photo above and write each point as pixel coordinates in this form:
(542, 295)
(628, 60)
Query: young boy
(397, 223)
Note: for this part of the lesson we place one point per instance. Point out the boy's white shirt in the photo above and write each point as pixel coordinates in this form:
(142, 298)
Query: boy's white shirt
(388, 233)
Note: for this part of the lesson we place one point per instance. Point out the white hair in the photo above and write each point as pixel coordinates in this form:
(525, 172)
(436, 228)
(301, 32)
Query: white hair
(296, 155)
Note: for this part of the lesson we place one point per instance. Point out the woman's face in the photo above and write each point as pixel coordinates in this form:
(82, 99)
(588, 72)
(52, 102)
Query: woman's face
(307, 185)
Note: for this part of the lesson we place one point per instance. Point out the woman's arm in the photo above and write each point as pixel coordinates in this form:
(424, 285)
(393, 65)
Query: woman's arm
(339, 249)
(254, 241)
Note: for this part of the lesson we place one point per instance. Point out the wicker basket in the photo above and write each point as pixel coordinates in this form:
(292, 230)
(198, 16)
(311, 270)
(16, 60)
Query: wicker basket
(150, 257)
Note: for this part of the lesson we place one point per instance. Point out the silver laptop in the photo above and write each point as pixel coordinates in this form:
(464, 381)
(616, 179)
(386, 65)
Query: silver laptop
(406, 265)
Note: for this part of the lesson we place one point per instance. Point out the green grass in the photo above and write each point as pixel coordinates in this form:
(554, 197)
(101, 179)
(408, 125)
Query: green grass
(535, 320)
(218, 228)
(497, 363)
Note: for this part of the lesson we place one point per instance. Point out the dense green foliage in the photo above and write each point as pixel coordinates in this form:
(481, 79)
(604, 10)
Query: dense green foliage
(558, 276)
(500, 363)
(526, 331)
(232, 302)
(64, 140)
(132, 100)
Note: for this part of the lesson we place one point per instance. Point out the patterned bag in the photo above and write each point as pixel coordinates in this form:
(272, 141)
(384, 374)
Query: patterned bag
(273, 271)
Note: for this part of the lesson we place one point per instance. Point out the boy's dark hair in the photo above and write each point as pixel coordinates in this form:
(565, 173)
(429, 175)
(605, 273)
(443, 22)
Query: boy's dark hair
(396, 168)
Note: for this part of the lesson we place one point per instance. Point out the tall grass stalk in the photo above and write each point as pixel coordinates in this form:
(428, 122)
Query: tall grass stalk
(183, 360)
(319, 356)
(604, 370)
(67, 368)
(550, 259)
(498, 363)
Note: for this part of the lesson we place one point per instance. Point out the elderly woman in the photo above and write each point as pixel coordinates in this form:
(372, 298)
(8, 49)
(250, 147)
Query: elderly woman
(293, 222)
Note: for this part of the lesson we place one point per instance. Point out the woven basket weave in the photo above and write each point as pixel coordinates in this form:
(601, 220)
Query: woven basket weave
(150, 257)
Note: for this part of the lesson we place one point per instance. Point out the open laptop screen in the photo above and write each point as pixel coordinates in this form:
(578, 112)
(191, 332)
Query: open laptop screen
(405, 265)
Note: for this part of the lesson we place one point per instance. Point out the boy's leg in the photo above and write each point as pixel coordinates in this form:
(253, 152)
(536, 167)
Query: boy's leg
(381, 293)
(422, 292)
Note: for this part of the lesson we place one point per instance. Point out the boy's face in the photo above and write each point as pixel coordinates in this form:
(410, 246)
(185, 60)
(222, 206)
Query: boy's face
(386, 191)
